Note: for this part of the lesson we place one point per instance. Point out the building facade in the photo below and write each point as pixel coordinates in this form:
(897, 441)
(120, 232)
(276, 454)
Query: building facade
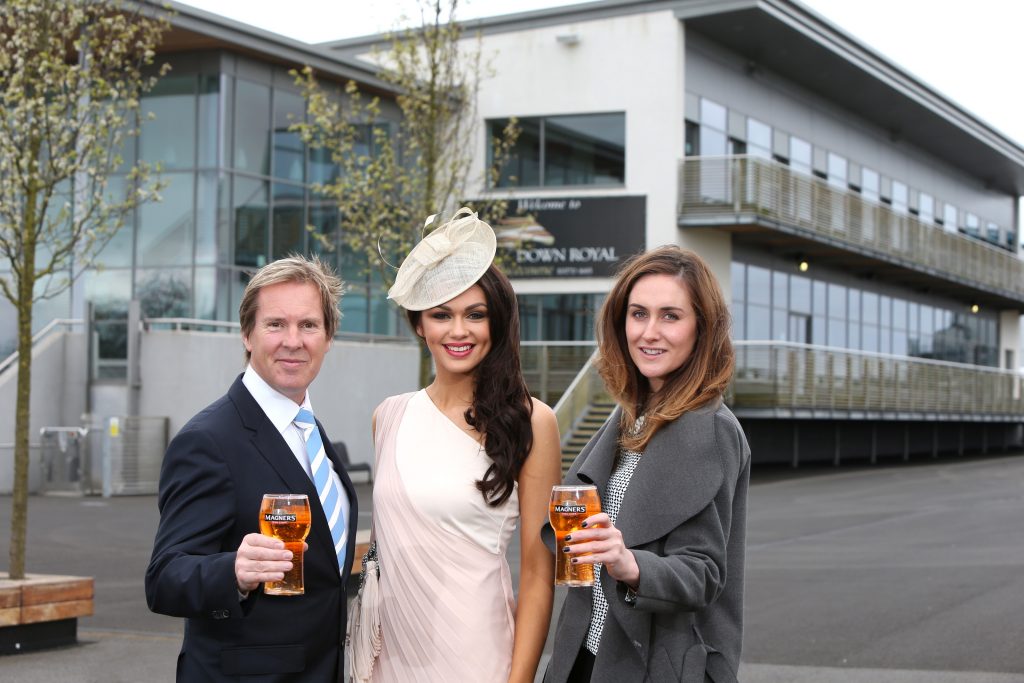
(863, 226)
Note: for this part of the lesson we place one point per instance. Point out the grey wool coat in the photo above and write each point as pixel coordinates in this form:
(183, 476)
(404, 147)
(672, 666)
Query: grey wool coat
(684, 518)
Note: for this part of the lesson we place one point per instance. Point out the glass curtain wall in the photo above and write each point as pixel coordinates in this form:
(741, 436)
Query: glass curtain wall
(237, 194)
(775, 305)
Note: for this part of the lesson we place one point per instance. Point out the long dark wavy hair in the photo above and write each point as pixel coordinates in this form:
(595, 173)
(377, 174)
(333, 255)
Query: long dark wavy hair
(502, 407)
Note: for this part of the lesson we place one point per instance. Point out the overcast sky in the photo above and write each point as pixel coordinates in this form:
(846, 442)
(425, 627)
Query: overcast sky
(970, 52)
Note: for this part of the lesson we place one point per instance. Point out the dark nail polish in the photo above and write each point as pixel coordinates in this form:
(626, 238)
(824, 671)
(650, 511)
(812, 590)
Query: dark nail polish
(565, 548)
(584, 525)
(568, 538)
(575, 560)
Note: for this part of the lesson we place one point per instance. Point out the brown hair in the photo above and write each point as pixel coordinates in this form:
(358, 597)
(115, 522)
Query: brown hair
(502, 406)
(299, 269)
(705, 374)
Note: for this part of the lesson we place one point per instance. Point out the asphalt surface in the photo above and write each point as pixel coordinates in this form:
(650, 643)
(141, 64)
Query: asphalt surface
(903, 574)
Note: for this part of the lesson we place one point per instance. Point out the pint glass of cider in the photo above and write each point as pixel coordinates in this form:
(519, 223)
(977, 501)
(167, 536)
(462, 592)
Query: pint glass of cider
(285, 516)
(570, 505)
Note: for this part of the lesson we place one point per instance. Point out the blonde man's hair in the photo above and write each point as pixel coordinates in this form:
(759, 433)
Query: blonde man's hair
(298, 269)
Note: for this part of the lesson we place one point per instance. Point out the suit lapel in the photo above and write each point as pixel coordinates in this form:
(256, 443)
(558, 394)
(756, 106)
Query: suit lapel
(269, 442)
(273, 448)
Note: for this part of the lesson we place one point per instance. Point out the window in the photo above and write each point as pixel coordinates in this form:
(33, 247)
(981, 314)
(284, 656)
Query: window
(692, 139)
(926, 208)
(759, 291)
(759, 139)
(992, 232)
(949, 221)
(586, 149)
(971, 225)
(712, 114)
(837, 171)
(252, 127)
(289, 154)
(899, 197)
(836, 315)
(713, 141)
(250, 214)
(558, 317)
(165, 230)
(170, 138)
(780, 306)
(738, 283)
(800, 155)
(869, 184)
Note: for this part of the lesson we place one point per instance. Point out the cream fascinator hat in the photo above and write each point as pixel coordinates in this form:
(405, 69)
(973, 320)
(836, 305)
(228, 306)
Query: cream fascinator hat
(445, 263)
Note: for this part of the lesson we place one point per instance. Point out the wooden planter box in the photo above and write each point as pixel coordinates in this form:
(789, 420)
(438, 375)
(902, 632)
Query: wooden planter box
(42, 611)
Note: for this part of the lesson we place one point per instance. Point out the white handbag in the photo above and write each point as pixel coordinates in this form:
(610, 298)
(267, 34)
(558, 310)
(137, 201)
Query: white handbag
(364, 637)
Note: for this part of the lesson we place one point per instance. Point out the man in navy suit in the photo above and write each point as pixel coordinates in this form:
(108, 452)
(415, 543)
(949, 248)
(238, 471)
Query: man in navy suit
(209, 560)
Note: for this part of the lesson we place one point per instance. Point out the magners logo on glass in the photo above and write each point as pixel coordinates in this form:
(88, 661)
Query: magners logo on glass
(570, 509)
(270, 517)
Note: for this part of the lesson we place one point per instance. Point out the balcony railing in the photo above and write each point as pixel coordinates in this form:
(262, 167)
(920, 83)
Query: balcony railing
(750, 190)
(787, 379)
(549, 367)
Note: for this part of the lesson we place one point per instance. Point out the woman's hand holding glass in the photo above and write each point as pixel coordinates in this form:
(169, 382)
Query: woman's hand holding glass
(602, 542)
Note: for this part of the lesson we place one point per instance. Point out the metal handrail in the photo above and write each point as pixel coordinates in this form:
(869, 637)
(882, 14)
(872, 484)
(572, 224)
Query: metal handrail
(747, 189)
(228, 326)
(876, 354)
(805, 377)
(39, 336)
(579, 394)
(550, 367)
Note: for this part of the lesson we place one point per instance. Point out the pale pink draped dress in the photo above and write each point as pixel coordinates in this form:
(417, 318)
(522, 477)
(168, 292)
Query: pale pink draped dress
(447, 605)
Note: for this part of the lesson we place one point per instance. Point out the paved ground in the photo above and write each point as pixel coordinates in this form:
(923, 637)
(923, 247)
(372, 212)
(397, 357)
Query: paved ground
(902, 574)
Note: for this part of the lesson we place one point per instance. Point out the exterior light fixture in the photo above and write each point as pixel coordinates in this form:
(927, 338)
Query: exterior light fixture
(975, 308)
(568, 39)
(802, 265)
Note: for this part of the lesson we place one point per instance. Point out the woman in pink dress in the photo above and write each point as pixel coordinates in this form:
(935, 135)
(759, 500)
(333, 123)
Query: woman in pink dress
(460, 465)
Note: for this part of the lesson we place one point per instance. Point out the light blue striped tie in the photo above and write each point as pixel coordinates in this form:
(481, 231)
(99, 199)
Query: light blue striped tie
(328, 486)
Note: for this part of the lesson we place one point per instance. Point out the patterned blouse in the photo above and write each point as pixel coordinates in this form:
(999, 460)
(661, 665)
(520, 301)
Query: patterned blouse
(625, 465)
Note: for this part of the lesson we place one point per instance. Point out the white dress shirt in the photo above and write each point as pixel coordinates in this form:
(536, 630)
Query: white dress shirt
(281, 412)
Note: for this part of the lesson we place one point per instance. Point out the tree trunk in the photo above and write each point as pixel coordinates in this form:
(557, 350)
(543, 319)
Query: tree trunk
(26, 285)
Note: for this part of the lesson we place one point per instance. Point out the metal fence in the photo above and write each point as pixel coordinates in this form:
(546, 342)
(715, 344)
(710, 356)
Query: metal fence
(747, 189)
(133, 452)
(784, 376)
(65, 460)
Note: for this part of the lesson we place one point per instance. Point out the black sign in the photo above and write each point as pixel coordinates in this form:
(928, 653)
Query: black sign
(570, 237)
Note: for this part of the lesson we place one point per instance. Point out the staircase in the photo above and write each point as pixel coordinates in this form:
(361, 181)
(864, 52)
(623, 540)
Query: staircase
(594, 416)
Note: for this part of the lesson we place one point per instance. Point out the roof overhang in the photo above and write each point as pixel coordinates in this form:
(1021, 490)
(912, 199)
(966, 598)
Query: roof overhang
(193, 29)
(787, 38)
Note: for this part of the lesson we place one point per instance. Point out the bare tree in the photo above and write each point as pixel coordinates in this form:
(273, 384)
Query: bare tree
(392, 176)
(72, 73)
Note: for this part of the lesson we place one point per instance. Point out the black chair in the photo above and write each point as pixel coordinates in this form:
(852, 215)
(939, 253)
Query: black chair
(342, 451)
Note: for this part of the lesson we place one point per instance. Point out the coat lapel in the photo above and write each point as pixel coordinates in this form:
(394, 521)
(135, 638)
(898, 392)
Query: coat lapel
(679, 474)
(597, 458)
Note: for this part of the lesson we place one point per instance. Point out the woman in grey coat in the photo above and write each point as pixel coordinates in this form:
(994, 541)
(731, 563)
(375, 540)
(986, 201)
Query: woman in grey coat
(672, 466)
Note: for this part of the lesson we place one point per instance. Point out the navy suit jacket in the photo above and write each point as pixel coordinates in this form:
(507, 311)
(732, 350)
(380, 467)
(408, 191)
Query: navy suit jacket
(212, 482)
